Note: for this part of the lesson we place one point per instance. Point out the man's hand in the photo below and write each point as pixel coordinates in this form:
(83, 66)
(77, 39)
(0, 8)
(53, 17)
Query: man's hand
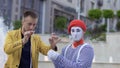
(27, 35)
(53, 40)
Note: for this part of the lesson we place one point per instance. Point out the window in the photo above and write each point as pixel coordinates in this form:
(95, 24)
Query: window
(16, 10)
(4, 1)
(108, 1)
(82, 5)
(69, 1)
(17, 2)
(99, 3)
(115, 1)
(15, 17)
(92, 5)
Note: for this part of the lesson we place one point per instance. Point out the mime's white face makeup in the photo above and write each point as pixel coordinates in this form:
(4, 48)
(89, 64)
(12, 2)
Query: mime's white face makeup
(76, 33)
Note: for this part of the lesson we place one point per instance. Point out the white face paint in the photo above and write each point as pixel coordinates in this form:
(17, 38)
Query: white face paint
(76, 33)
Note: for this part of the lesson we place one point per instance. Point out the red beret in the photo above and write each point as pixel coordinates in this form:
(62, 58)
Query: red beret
(78, 23)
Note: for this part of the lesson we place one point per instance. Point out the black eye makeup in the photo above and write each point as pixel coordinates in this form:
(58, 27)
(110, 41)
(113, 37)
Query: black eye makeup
(73, 30)
(78, 30)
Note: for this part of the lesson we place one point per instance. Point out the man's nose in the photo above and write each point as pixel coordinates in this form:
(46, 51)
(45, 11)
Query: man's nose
(75, 33)
(31, 27)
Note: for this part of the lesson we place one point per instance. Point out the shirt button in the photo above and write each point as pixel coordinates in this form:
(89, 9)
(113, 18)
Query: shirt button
(16, 65)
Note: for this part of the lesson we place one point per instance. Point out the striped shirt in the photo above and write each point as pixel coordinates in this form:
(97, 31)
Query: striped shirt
(68, 60)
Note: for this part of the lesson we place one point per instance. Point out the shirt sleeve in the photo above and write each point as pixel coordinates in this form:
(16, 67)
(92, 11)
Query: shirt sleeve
(56, 62)
(85, 60)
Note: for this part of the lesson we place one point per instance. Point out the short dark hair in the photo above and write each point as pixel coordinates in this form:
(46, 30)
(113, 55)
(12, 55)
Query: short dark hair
(30, 13)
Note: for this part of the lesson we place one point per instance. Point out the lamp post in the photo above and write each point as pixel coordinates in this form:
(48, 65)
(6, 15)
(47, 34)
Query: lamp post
(43, 17)
(108, 20)
(78, 9)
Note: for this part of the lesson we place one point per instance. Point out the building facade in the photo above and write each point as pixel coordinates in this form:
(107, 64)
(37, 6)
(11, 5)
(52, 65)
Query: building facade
(112, 5)
(86, 5)
(47, 11)
(20, 6)
(5, 11)
(55, 8)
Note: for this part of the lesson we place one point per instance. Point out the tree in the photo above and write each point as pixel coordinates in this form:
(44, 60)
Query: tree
(118, 23)
(118, 13)
(107, 14)
(118, 26)
(94, 14)
(60, 23)
(17, 24)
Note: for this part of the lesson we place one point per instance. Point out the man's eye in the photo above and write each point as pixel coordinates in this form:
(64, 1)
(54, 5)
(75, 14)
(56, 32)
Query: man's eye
(73, 30)
(29, 23)
(78, 30)
(34, 24)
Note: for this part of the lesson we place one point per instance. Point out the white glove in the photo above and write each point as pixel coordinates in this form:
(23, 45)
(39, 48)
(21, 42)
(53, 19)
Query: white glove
(52, 54)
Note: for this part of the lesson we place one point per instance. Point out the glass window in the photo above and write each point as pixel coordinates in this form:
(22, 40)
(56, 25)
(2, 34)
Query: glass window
(69, 1)
(82, 6)
(92, 5)
(16, 17)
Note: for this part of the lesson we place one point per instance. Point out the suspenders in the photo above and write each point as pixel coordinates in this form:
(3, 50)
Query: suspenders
(78, 51)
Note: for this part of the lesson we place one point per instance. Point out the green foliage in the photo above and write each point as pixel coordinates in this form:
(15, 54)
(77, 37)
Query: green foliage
(99, 37)
(17, 24)
(99, 29)
(87, 33)
(103, 28)
(118, 26)
(112, 30)
(102, 37)
(60, 23)
(118, 13)
(108, 13)
(98, 33)
(94, 14)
